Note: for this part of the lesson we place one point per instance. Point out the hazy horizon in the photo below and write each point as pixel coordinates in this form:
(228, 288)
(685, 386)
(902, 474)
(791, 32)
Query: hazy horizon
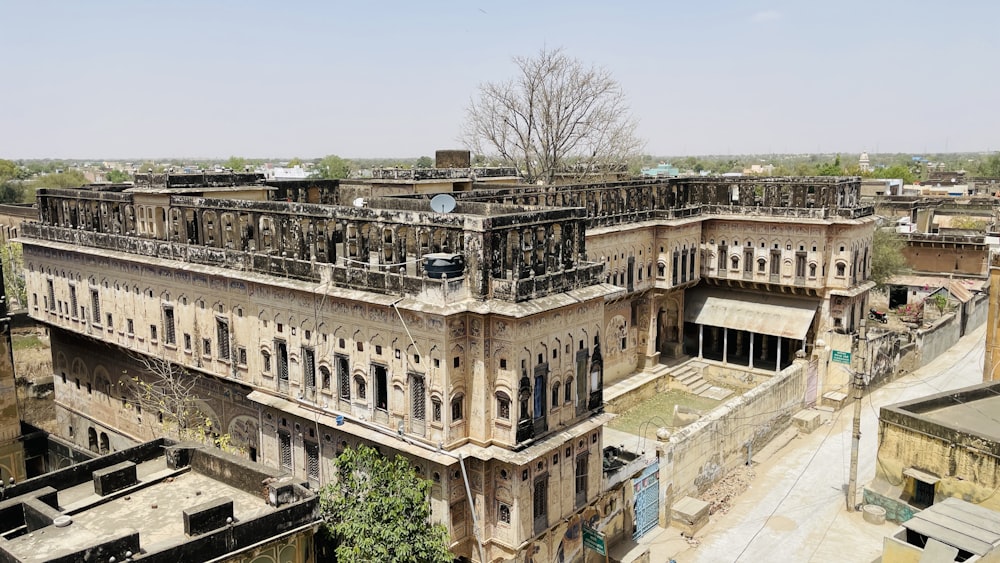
(122, 80)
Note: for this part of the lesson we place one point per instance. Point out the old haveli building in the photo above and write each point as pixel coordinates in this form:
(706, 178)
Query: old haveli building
(477, 342)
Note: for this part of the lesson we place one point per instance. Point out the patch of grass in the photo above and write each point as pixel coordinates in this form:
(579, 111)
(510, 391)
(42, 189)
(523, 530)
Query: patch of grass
(26, 341)
(660, 405)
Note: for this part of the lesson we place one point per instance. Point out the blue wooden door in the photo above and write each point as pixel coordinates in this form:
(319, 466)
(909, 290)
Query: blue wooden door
(647, 500)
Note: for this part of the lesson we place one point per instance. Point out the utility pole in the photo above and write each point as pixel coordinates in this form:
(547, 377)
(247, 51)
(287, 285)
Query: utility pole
(859, 384)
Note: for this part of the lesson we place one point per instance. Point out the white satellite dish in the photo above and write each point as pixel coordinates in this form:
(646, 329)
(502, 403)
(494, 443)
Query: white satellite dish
(443, 203)
(359, 202)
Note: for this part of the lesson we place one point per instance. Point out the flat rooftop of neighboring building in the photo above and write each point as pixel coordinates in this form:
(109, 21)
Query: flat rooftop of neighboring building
(155, 512)
(973, 410)
(981, 416)
(172, 500)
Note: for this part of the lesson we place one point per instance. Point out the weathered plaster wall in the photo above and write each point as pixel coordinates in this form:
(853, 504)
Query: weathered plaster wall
(700, 454)
(936, 340)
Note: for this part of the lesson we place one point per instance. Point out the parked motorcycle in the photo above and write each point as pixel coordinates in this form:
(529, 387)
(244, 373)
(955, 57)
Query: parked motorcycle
(879, 316)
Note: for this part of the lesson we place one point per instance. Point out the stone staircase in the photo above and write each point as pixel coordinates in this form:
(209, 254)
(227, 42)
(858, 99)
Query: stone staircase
(689, 375)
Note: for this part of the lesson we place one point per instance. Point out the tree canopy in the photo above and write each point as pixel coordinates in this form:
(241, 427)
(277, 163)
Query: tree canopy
(424, 162)
(887, 257)
(378, 510)
(556, 115)
(332, 167)
(11, 187)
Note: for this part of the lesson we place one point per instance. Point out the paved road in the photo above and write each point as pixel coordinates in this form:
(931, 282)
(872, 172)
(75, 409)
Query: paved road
(795, 510)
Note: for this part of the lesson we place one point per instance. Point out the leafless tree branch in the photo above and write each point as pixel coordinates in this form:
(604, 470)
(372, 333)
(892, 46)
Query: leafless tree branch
(556, 116)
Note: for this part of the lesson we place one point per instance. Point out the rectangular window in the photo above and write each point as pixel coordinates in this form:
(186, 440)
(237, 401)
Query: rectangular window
(312, 460)
(775, 263)
(187, 342)
(52, 296)
(169, 326)
(285, 450)
(206, 346)
(418, 397)
(95, 306)
(381, 375)
(73, 305)
(222, 335)
(241, 355)
(309, 368)
(266, 360)
(152, 332)
(129, 327)
(748, 261)
(110, 324)
(800, 264)
(540, 502)
(281, 349)
(581, 479)
(343, 378)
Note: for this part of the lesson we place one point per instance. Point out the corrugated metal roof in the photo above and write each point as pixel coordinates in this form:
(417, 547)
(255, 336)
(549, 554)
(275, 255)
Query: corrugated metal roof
(959, 524)
(764, 314)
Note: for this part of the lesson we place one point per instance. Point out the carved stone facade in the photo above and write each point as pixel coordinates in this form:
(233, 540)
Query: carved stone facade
(316, 327)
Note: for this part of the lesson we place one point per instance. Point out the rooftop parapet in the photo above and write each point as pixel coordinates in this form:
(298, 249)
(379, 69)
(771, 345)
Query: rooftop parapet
(511, 252)
(418, 174)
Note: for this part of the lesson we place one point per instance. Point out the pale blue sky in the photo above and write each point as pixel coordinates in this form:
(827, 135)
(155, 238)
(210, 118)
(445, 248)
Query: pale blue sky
(132, 79)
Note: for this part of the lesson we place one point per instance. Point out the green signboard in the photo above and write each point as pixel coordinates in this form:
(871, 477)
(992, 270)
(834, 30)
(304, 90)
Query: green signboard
(593, 539)
(842, 357)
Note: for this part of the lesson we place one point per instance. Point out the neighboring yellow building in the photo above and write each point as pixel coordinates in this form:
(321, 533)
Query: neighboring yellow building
(936, 447)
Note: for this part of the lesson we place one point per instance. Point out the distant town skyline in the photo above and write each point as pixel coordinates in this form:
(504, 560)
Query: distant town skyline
(120, 80)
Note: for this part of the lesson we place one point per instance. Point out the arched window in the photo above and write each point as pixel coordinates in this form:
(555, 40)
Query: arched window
(735, 262)
(503, 406)
(841, 269)
(761, 265)
(555, 394)
(265, 357)
(456, 408)
(436, 409)
(360, 387)
(812, 270)
(568, 390)
(324, 377)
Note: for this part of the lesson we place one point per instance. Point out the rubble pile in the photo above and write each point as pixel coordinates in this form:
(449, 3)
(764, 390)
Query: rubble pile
(722, 494)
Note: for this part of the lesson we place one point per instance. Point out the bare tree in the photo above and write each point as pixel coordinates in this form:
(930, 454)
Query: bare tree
(164, 393)
(556, 116)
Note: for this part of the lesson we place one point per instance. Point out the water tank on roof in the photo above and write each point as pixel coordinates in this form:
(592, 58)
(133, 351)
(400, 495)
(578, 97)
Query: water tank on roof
(444, 264)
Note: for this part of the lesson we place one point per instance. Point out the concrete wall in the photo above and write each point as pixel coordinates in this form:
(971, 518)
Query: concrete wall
(976, 312)
(936, 340)
(699, 455)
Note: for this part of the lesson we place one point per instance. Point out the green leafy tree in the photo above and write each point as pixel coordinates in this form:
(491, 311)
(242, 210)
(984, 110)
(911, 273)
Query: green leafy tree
(894, 171)
(236, 163)
(424, 162)
(379, 510)
(887, 257)
(68, 179)
(830, 169)
(990, 168)
(13, 274)
(11, 187)
(332, 168)
(296, 161)
(117, 176)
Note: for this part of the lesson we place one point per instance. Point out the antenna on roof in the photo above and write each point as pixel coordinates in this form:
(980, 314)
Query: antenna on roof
(443, 203)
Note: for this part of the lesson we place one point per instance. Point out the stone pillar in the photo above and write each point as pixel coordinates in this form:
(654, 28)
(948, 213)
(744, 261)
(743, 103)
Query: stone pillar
(725, 345)
(701, 339)
(777, 362)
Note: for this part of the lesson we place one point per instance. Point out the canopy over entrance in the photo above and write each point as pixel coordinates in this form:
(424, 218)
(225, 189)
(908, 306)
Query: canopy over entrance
(774, 315)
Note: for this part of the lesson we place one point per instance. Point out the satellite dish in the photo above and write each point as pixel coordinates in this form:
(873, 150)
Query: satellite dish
(443, 203)
(359, 202)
